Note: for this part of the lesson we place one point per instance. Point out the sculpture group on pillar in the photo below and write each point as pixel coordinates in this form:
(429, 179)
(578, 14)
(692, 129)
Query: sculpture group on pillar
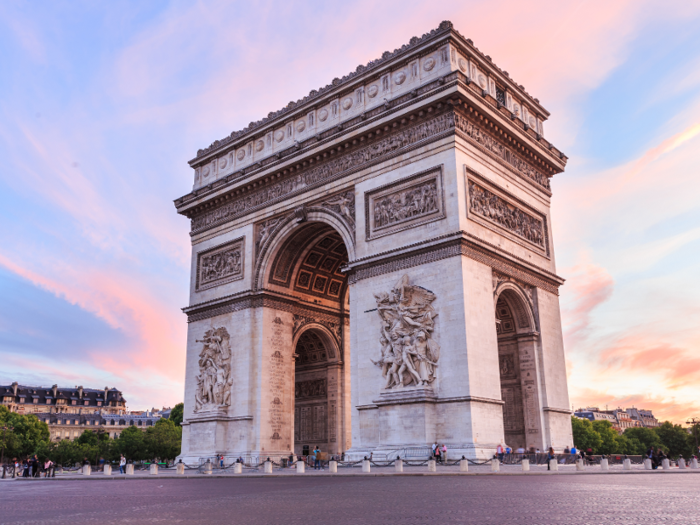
(214, 380)
(409, 355)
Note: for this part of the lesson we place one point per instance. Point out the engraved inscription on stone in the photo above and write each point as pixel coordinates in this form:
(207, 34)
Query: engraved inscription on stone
(409, 354)
(405, 204)
(492, 207)
(220, 265)
(276, 383)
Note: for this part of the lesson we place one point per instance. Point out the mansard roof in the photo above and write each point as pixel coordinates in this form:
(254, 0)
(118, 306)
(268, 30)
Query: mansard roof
(337, 85)
(44, 394)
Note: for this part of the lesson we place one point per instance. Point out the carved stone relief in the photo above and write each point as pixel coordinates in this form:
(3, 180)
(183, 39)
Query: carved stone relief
(263, 231)
(333, 326)
(220, 265)
(214, 380)
(312, 388)
(405, 204)
(344, 205)
(508, 216)
(409, 354)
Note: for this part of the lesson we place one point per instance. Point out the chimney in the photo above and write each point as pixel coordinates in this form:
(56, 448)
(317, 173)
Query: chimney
(14, 387)
(80, 391)
(55, 391)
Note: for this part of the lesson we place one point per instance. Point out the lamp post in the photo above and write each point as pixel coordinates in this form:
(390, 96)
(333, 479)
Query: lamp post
(695, 422)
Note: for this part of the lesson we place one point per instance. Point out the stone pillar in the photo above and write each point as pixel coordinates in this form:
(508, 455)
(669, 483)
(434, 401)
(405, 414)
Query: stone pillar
(464, 465)
(129, 469)
(107, 470)
(647, 464)
(398, 465)
(525, 464)
(207, 468)
(333, 466)
(694, 463)
(180, 468)
(365, 465)
(267, 467)
(87, 470)
(627, 464)
(681, 463)
(432, 466)
(579, 465)
(495, 465)
(301, 467)
(528, 349)
(553, 465)
(604, 464)
(153, 469)
(666, 464)
(238, 468)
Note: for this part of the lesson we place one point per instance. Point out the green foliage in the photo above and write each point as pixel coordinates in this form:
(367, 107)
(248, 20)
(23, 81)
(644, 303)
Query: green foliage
(27, 435)
(608, 438)
(163, 440)
(585, 436)
(132, 444)
(645, 436)
(676, 440)
(177, 413)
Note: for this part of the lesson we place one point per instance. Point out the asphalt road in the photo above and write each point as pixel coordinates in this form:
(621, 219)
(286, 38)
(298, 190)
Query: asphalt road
(572, 500)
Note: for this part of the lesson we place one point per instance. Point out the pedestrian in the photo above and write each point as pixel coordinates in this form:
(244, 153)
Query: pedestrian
(438, 458)
(122, 464)
(508, 451)
(499, 452)
(221, 461)
(573, 450)
(550, 456)
(102, 464)
(567, 450)
(433, 449)
(317, 458)
(27, 468)
(37, 467)
(47, 467)
(444, 452)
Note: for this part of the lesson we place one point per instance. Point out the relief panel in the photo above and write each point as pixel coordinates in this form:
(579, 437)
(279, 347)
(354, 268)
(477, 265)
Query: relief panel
(220, 265)
(405, 204)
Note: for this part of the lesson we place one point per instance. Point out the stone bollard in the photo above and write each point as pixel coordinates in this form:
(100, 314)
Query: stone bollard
(107, 471)
(398, 465)
(666, 464)
(153, 469)
(525, 464)
(432, 466)
(129, 469)
(464, 465)
(207, 468)
(579, 465)
(301, 466)
(681, 463)
(627, 464)
(604, 464)
(238, 468)
(365, 465)
(694, 463)
(267, 466)
(553, 465)
(647, 464)
(495, 465)
(333, 466)
(180, 468)
(87, 470)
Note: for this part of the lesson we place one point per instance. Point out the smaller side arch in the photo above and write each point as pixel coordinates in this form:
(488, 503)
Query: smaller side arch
(332, 345)
(519, 304)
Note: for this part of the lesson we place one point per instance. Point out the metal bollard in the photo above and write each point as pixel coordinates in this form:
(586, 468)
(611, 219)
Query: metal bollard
(365, 465)
(464, 465)
(267, 466)
(681, 463)
(238, 468)
(207, 467)
(129, 469)
(666, 464)
(301, 467)
(580, 465)
(604, 464)
(525, 463)
(153, 469)
(333, 466)
(647, 464)
(180, 468)
(107, 471)
(553, 465)
(495, 465)
(398, 465)
(432, 466)
(626, 464)
(694, 463)
(87, 470)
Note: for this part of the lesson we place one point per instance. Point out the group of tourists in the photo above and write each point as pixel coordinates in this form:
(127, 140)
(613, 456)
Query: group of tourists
(439, 452)
(656, 456)
(31, 467)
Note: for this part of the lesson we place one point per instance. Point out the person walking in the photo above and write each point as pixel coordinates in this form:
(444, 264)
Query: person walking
(122, 464)
(37, 467)
(317, 458)
(444, 452)
(499, 452)
(221, 461)
(433, 448)
(550, 457)
(438, 455)
(47, 467)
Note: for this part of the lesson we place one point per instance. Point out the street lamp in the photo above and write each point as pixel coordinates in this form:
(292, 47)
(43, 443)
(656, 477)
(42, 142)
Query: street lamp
(695, 422)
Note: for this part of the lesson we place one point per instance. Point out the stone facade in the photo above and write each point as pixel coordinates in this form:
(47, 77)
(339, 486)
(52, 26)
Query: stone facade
(373, 268)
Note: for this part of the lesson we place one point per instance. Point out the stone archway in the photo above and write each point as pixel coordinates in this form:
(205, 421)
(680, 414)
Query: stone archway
(518, 368)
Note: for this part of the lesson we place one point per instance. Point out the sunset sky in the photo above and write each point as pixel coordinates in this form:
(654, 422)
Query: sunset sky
(103, 103)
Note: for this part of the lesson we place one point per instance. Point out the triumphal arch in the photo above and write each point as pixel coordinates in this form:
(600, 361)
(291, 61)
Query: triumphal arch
(373, 268)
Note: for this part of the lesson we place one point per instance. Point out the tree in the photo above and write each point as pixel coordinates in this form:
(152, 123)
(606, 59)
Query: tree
(608, 438)
(177, 413)
(131, 444)
(163, 440)
(645, 436)
(27, 434)
(584, 435)
(675, 439)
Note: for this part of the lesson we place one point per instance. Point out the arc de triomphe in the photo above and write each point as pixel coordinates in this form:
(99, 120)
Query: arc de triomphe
(373, 268)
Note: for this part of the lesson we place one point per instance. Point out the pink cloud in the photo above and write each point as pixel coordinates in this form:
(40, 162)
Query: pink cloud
(586, 288)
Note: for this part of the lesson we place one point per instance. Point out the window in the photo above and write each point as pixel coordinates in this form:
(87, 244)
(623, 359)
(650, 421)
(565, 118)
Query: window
(76, 421)
(99, 403)
(36, 400)
(21, 400)
(87, 402)
(74, 402)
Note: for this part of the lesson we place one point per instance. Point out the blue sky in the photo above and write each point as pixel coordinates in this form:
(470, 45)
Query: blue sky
(102, 104)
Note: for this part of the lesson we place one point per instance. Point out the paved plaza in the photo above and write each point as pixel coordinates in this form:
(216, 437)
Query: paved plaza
(591, 498)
